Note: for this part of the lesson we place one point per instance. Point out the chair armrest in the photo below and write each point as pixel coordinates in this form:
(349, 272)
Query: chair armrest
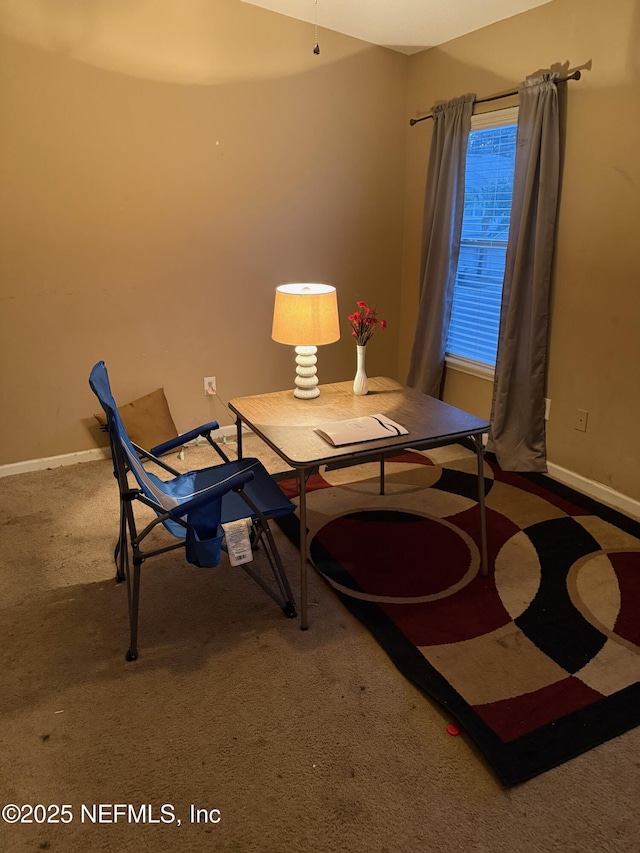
(217, 490)
(201, 431)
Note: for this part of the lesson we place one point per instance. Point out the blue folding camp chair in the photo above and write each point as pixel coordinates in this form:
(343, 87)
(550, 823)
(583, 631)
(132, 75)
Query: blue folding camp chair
(191, 506)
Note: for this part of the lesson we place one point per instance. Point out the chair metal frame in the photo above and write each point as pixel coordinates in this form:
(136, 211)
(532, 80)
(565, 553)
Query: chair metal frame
(241, 474)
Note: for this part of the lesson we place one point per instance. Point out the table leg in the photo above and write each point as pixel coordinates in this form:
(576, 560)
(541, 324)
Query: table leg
(239, 436)
(302, 477)
(481, 502)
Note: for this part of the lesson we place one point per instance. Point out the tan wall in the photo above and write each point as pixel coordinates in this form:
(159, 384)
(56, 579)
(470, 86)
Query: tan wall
(594, 356)
(164, 167)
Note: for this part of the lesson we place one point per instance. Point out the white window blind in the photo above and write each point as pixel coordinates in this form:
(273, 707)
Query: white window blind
(475, 316)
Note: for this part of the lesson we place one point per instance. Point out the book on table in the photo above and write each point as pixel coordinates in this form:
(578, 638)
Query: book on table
(355, 430)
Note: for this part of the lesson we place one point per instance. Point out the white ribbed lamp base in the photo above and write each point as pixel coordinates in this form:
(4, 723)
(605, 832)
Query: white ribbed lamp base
(306, 373)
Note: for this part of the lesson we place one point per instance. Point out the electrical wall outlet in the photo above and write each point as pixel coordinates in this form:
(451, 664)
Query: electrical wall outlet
(209, 386)
(581, 420)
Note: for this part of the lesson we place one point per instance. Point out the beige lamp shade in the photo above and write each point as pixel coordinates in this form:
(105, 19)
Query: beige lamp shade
(305, 315)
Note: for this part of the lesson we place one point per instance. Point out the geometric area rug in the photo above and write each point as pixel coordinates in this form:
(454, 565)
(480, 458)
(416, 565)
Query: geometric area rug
(537, 663)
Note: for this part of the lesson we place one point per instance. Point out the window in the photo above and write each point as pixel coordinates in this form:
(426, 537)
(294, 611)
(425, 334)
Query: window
(475, 317)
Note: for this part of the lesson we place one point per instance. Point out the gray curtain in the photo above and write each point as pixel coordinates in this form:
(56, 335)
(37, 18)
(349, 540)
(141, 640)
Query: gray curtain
(517, 419)
(443, 209)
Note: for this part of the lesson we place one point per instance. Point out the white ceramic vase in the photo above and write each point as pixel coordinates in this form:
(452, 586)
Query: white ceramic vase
(360, 383)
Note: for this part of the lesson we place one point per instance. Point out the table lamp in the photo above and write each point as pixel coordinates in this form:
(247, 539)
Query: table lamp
(306, 316)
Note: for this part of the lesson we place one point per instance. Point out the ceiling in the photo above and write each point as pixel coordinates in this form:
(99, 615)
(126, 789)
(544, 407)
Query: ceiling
(403, 25)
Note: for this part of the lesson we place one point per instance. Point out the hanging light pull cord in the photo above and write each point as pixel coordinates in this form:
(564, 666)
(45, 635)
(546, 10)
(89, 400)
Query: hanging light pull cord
(316, 48)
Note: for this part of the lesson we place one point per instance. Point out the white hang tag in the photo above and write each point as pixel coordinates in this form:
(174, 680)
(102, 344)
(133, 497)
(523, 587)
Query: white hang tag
(238, 542)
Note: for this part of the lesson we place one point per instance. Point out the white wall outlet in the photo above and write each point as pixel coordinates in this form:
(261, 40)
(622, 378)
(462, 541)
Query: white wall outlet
(581, 420)
(209, 386)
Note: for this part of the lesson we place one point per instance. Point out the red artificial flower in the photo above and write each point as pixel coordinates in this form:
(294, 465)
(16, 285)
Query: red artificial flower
(363, 323)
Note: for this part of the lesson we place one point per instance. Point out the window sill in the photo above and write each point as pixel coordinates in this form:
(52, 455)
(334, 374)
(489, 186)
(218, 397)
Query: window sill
(473, 368)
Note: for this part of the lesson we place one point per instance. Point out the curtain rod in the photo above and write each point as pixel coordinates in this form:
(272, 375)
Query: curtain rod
(575, 76)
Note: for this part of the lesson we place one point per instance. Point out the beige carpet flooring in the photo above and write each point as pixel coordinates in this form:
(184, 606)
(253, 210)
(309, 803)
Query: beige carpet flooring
(302, 741)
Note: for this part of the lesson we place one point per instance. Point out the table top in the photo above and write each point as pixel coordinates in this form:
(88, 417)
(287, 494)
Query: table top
(286, 423)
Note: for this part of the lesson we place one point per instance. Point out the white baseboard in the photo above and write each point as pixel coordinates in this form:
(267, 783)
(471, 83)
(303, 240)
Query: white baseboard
(54, 461)
(92, 455)
(595, 490)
